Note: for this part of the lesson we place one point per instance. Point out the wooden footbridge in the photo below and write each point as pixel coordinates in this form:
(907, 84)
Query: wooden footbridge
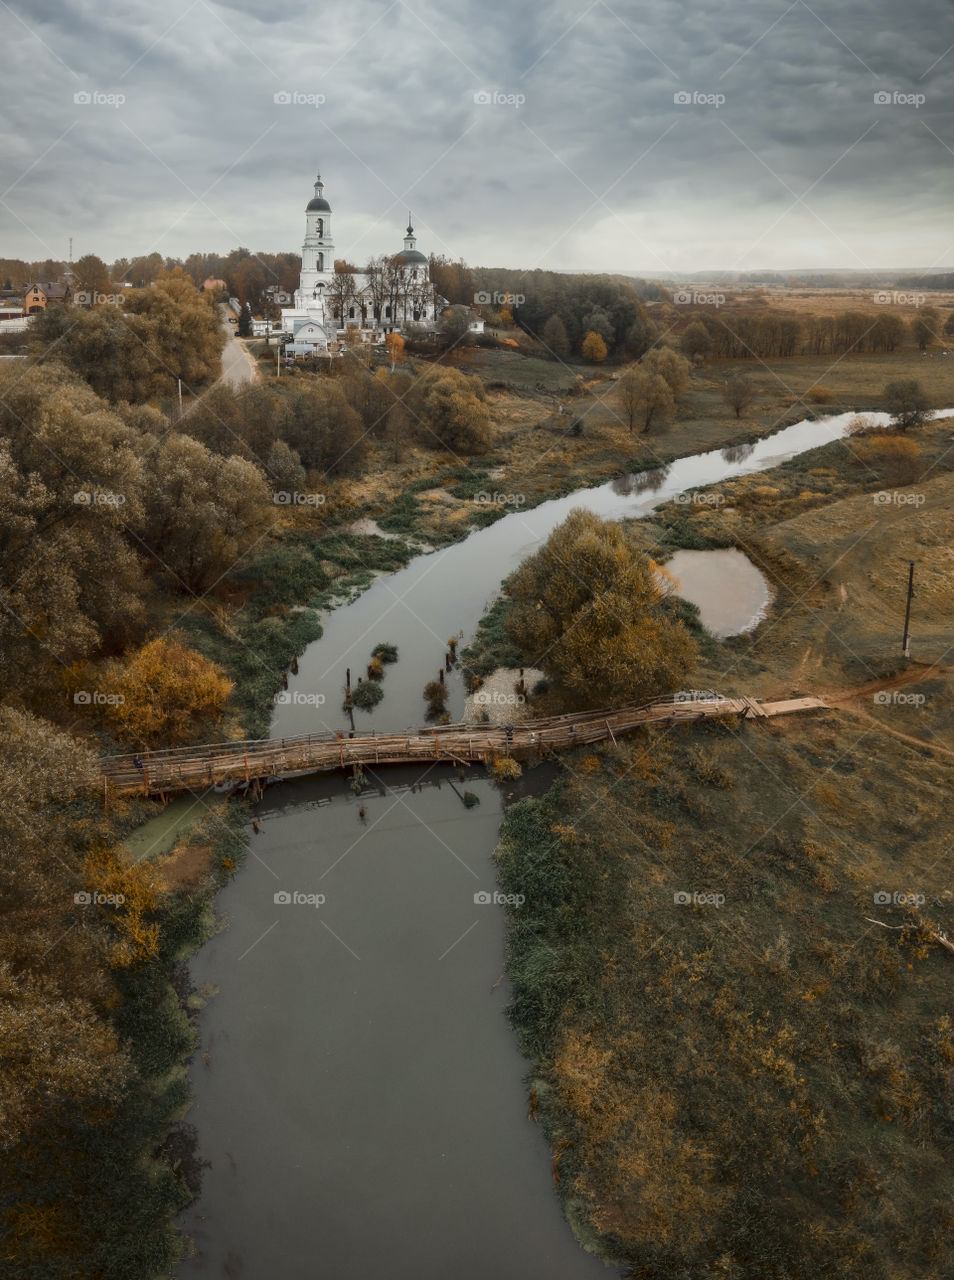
(253, 763)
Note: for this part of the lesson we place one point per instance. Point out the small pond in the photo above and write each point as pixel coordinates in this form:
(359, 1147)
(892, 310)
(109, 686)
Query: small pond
(731, 593)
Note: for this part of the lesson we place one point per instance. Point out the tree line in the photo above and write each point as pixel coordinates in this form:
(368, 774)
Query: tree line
(725, 335)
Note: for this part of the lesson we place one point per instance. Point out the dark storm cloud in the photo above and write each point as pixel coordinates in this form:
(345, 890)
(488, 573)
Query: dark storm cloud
(583, 156)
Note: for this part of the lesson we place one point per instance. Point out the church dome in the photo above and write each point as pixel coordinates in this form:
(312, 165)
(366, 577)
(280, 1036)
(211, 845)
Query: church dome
(410, 257)
(318, 205)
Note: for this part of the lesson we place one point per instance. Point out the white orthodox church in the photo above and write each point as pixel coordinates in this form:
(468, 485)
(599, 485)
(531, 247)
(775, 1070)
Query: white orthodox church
(395, 293)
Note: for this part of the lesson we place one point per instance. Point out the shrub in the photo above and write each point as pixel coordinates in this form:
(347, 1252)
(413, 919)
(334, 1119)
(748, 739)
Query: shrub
(505, 769)
(820, 395)
(896, 457)
(365, 695)
(435, 694)
(385, 652)
(375, 669)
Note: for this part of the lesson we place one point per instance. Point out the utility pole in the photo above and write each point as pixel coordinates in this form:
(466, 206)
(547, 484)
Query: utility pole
(906, 638)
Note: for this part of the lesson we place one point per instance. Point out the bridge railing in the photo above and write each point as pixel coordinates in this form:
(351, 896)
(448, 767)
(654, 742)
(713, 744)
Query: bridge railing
(123, 761)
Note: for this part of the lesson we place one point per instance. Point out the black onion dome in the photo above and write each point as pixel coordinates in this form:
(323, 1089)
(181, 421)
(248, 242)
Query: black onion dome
(411, 257)
(318, 205)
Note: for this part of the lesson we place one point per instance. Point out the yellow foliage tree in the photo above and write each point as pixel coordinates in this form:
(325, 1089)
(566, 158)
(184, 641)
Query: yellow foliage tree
(395, 348)
(588, 609)
(165, 694)
(594, 348)
(135, 892)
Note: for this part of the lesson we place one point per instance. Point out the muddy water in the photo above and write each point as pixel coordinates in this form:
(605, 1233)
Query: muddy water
(359, 1092)
(731, 593)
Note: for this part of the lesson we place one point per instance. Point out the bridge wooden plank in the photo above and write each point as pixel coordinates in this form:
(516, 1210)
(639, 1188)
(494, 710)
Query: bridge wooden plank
(191, 768)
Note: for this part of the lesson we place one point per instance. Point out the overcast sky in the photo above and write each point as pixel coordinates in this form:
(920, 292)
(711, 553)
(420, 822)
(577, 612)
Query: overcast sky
(583, 158)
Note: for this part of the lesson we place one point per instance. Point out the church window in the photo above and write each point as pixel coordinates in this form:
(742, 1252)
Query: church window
(351, 314)
(387, 313)
(321, 262)
(320, 227)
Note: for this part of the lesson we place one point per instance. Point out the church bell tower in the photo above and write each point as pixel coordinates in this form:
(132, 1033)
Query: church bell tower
(318, 250)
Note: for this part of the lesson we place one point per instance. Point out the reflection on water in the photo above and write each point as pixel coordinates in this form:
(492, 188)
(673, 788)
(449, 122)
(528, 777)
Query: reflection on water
(738, 452)
(731, 593)
(635, 482)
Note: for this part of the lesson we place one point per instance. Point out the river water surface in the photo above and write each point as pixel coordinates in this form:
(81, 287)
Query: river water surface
(359, 1091)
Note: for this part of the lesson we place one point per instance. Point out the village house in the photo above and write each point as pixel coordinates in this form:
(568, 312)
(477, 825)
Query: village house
(36, 296)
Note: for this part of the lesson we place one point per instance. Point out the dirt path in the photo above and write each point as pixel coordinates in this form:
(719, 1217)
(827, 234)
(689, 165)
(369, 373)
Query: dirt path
(923, 743)
(844, 699)
(917, 672)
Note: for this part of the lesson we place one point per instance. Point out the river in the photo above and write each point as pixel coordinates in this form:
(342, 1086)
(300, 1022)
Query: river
(358, 1092)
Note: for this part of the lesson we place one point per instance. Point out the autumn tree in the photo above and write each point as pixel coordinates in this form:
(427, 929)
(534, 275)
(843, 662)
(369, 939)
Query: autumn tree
(165, 694)
(449, 410)
(137, 351)
(394, 344)
(71, 489)
(202, 511)
(114, 353)
(926, 327)
(594, 348)
(453, 280)
(600, 321)
(187, 335)
(57, 1048)
(739, 392)
(323, 428)
(283, 468)
(669, 365)
(92, 278)
(454, 329)
(696, 342)
(907, 402)
(645, 398)
(588, 608)
(554, 338)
